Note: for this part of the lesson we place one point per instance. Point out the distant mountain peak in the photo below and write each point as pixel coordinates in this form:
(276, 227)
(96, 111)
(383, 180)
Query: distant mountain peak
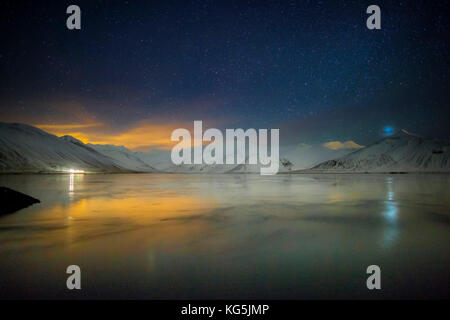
(410, 133)
(401, 152)
(71, 139)
(109, 147)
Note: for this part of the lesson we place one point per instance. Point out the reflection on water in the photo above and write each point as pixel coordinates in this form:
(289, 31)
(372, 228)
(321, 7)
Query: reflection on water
(227, 236)
(71, 182)
(390, 213)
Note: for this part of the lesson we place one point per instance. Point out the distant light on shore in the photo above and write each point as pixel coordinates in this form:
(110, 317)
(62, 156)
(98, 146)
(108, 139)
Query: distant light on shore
(75, 171)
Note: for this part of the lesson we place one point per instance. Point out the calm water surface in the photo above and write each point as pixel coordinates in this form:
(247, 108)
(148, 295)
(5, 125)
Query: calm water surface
(227, 236)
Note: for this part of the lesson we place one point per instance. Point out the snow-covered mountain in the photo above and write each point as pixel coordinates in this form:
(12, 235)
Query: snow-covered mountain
(284, 166)
(24, 148)
(124, 157)
(293, 157)
(158, 159)
(402, 152)
(161, 160)
(305, 156)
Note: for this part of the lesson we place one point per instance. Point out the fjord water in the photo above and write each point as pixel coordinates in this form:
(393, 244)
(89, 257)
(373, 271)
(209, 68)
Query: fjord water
(168, 236)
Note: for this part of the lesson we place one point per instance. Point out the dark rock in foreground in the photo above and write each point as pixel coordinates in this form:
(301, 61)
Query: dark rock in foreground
(11, 200)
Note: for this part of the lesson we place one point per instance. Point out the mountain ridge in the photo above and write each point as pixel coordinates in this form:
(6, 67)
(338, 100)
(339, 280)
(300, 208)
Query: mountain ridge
(400, 152)
(24, 148)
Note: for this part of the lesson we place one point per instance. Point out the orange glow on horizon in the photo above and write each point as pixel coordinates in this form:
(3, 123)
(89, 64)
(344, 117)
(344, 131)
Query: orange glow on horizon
(140, 137)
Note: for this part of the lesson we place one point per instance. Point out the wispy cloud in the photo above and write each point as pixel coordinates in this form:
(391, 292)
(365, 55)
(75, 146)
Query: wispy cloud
(336, 145)
(68, 126)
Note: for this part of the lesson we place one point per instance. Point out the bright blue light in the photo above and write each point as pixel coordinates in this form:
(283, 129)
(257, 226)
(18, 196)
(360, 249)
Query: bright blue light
(388, 130)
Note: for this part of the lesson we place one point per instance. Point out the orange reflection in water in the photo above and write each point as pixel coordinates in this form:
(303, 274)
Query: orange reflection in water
(145, 207)
(152, 214)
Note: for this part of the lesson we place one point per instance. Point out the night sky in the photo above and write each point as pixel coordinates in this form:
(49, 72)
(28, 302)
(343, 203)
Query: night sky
(310, 68)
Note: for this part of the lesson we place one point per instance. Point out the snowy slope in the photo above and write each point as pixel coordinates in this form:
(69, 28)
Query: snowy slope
(158, 159)
(402, 152)
(222, 168)
(304, 156)
(162, 161)
(123, 157)
(24, 148)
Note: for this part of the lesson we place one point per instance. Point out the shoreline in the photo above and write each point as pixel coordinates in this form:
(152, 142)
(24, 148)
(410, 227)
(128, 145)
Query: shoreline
(227, 173)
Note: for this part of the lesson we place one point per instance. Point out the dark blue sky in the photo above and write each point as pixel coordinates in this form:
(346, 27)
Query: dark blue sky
(311, 68)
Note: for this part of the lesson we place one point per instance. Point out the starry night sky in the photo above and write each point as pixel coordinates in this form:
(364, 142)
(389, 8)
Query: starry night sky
(310, 68)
